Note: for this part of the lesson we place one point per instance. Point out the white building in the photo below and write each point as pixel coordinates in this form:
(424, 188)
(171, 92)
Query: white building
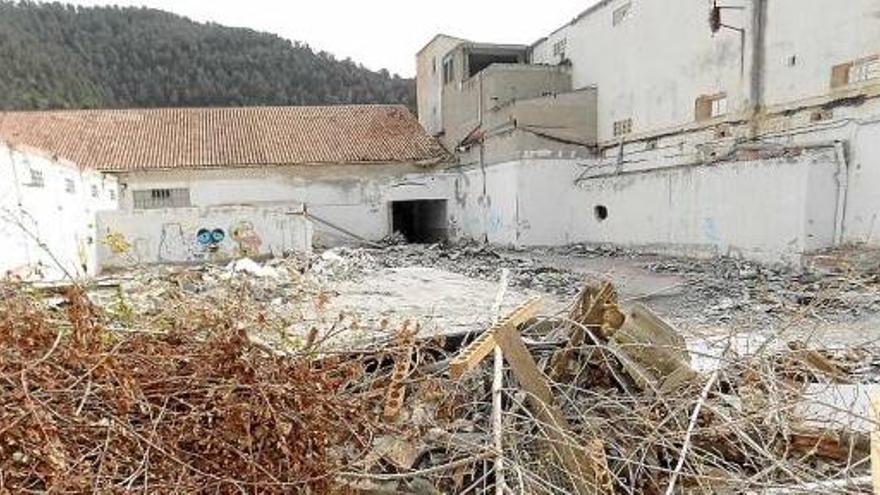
(749, 129)
(47, 214)
(214, 184)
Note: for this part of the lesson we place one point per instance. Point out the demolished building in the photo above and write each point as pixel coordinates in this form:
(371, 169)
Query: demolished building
(747, 130)
(672, 126)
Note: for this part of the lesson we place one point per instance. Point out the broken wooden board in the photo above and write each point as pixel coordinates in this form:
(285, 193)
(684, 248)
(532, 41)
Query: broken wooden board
(814, 360)
(587, 466)
(595, 308)
(471, 356)
(658, 349)
(875, 443)
(396, 389)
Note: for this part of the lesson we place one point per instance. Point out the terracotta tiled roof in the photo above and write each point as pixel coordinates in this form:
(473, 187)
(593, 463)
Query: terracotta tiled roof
(124, 140)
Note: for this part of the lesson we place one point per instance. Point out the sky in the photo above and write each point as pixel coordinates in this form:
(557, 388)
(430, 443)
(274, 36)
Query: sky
(378, 33)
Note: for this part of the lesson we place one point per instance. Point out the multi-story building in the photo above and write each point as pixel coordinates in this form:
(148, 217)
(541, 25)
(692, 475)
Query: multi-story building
(743, 127)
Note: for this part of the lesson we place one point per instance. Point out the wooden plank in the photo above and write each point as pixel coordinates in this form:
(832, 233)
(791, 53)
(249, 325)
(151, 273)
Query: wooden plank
(471, 356)
(875, 444)
(588, 468)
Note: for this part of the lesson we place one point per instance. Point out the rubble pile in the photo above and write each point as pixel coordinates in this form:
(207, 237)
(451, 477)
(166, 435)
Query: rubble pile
(187, 390)
(715, 291)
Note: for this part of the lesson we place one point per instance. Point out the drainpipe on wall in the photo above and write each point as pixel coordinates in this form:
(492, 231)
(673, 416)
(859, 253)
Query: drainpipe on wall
(842, 191)
(759, 58)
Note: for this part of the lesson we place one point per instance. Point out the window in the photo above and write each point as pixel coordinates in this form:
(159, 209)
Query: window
(621, 13)
(448, 70)
(857, 71)
(69, 186)
(434, 65)
(152, 199)
(37, 179)
(710, 106)
(95, 191)
(623, 127)
(559, 48)
(112, 194)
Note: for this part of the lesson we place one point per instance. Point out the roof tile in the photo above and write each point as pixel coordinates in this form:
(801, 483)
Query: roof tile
(144, 139)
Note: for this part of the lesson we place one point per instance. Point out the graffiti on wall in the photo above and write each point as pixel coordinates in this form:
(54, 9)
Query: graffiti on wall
(209, 243)
(173, 247)
(246, 238)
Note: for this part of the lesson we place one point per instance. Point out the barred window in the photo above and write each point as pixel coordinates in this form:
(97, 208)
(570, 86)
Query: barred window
(37, 179)
(559, 48)
(623, 127)
(152, 199)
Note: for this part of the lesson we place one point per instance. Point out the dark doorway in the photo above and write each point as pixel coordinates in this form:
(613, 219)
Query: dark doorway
(421, 222)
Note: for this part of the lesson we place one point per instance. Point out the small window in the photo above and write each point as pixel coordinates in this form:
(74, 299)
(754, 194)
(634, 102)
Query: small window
(621, 13)
(865, 70)
(37, 179)
(448, 70)
(559, 48)
(95, 191)
(69, 186)
(857, 71)
(152, 199)
(112, 194)
(623, 127)
(710, 106)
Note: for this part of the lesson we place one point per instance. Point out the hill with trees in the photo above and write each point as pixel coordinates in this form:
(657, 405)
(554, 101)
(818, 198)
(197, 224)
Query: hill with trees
(62, 56)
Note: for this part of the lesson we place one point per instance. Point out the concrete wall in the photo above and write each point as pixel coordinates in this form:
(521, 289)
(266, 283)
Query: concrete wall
(46, 231)
(806, 38)
(356, 198)
(653, 65)
(466, 104)
(569, 117)
(429, 81)
(197, 235)
(700, 210)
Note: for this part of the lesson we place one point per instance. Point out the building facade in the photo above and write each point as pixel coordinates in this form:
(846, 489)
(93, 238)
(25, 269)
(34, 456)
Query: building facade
(703, 118)
(198, 185)
(48, 209)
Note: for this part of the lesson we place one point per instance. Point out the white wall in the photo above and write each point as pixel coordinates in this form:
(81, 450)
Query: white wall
(652, 66)
(819, 34)
(195, 235)
(356, 198)
(47, 232)
(700, 210)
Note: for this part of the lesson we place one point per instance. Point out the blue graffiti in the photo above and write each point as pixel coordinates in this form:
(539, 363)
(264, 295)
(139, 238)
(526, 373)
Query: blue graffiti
(210, 239)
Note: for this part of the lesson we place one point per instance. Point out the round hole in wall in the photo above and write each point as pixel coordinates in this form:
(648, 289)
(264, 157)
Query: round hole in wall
(601, 212)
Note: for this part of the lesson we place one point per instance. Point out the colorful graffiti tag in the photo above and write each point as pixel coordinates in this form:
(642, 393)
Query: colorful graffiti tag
(210, 240)
(245, 236)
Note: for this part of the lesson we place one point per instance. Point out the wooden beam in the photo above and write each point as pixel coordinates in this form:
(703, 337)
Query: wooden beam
(875, 443)
(588, 467)
(471, 356)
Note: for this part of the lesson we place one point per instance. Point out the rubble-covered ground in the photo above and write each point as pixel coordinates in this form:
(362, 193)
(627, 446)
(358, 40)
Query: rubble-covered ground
(336, 373)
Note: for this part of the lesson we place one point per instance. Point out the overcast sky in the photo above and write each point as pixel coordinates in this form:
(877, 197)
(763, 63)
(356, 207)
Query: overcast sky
(378, 33)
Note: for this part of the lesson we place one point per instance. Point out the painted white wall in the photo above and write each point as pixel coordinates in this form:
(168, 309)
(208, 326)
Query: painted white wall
(356, 198)
(701, 210)
(47, 232)
(652, 66)
(818, 34)
(196, 235)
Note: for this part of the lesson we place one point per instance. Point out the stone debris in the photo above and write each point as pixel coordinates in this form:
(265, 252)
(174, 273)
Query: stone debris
(241, 378)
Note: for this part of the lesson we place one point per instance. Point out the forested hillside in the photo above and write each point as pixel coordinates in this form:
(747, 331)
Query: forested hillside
(61, 56)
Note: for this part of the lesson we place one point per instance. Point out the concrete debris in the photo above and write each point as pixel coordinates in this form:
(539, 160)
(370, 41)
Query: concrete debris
(251, 364)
